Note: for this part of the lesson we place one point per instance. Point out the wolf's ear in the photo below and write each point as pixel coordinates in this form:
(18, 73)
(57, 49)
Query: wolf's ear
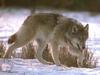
(86, 27)
(74, 29)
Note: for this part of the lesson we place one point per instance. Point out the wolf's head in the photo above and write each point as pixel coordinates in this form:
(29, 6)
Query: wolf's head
(76, 36)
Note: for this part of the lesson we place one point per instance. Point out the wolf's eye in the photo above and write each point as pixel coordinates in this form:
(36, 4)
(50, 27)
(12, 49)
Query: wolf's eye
(74, 29)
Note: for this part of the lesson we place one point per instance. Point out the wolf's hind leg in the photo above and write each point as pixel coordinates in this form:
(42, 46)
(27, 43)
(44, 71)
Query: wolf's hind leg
(8, 52)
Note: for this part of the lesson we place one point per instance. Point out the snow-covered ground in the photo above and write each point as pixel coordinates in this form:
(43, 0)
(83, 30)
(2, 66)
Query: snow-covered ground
(11, 20)
(33, 67)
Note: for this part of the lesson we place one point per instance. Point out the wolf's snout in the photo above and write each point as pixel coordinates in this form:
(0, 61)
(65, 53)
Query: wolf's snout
(80, 46)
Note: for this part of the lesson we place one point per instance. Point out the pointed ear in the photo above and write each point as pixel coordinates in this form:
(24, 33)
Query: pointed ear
(74, 29)
(86, 28)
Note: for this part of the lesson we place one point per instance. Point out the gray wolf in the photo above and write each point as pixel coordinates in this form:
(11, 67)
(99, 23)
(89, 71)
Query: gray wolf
(52, 28)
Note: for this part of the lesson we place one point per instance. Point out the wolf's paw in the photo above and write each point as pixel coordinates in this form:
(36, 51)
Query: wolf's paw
(46, 62)
(50, 63)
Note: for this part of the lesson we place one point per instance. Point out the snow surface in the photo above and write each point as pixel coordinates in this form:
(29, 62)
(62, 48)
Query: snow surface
(11, 20)
(33, 67)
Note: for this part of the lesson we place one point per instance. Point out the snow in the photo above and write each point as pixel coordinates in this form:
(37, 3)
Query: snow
(11, 20)
(33, 67)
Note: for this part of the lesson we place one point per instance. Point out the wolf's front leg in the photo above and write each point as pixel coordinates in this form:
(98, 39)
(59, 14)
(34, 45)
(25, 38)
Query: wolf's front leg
(41, 47)
(80, 60)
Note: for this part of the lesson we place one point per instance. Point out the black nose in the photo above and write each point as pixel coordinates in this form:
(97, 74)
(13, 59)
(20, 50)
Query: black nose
(83, 47)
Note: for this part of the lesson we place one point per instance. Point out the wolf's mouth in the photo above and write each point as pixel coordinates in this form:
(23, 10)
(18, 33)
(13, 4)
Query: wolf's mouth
(78, 46)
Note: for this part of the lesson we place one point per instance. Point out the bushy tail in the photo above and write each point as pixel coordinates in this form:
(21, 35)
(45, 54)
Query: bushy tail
(12, 39)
